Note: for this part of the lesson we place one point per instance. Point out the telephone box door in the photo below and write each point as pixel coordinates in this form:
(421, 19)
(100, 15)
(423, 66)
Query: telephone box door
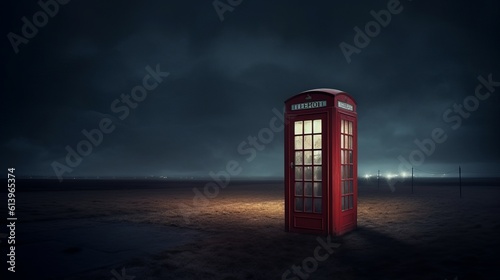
(348, 174)
(308, 186)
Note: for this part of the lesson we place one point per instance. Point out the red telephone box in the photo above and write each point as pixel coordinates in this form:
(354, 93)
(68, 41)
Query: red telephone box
(321, 186)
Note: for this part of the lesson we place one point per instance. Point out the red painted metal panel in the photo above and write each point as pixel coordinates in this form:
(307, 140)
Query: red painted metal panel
(309, 223)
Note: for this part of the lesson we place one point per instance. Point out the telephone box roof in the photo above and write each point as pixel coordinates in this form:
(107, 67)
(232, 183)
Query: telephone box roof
(330, 91)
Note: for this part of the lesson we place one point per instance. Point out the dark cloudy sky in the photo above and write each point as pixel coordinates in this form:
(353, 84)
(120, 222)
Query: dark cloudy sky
(226, 77)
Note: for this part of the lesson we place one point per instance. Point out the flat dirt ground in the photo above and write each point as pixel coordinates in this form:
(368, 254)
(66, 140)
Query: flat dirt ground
(239, 234)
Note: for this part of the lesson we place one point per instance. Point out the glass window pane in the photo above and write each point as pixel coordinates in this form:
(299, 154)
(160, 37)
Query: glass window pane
(318, 190)
(308, 173)
(342, 156)
(308, 189)
(308, 157)
(350, 157)
(317, 126)
(298, 142)
(317, 205)
(298, 188)
(341, 142)
(299, 157)
(317, 157)
(298, 173)
(298, 127)
(308, 142)
(342, 126)
(343, 202)
(307, 204)
(342, 172)
(307, 127)
(350, 128)
(351, 171)
(317, 141)
(317, 173)
(351, 189)
(299, 204)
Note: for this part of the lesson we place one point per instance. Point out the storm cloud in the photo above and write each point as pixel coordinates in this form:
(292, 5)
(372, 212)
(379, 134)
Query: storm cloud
(226, 77)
